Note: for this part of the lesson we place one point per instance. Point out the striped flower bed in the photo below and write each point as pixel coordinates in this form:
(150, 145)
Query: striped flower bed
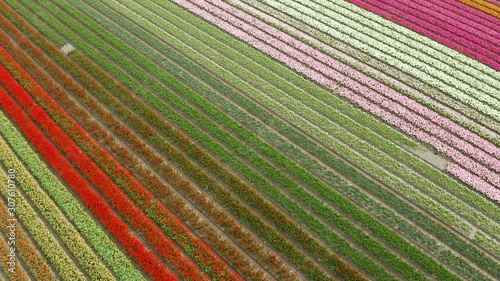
(252, 140)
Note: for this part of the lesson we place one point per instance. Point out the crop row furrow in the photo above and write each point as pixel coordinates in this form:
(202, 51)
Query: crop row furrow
(425, 24)
(75, 212)
(197, 250)
(190, 40)
(303, 195)
(483, 6)
(447, 17)
(49, 244)
(406, 102)
(65, 230)
(415, 45)
(456, 142)
(11, 268)
(152, 232)
(324, 104)
(248, 62)
(29, 251)
(310, 245)
(473, 27)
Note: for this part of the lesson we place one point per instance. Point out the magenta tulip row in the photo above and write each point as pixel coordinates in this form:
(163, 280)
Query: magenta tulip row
(215, 11)
(407, 19)
(332, 71)
(474, 181)
(448, 24)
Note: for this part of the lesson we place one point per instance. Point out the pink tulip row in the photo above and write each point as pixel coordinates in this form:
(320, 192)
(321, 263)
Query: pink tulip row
(474, 181)
(244, 31)
(414, 130)
(466, 147)
(427, 29)
(445, 21)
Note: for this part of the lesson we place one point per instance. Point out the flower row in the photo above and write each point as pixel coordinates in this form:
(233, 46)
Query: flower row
(98, 206)
(42, 235)
(229, 69)
(322, 59)
(428, 47)
(473, 180)
(284, 48)
(191, 245)
(462, 8)
(182, 48)
(483, 6)
(425, 24)
(474, 25)
(217, 102)
(397, 80)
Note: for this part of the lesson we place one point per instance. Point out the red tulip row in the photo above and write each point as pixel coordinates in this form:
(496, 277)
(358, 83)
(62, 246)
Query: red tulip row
(134, 215)
(55, 158)
(218, 215)
(118, 228)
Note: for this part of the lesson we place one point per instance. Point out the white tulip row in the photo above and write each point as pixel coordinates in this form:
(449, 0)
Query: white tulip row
(393, 57)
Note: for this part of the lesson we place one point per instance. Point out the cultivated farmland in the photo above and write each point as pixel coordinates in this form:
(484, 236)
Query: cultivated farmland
(250, 140)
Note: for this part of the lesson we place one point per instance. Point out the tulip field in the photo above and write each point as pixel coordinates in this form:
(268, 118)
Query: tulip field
(250, 140)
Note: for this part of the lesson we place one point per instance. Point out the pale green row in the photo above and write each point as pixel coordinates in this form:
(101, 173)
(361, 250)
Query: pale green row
(106, 249)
